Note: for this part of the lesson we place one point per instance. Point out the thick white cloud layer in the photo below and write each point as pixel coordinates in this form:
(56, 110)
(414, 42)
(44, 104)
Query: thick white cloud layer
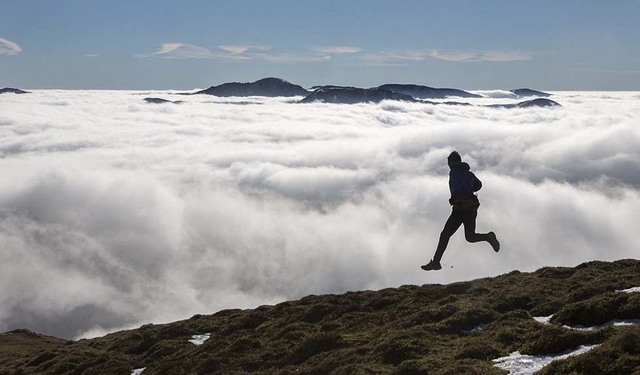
(115, 213)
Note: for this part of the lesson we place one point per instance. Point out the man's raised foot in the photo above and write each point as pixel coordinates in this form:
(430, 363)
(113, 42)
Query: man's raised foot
(493, 241)
(432, 266)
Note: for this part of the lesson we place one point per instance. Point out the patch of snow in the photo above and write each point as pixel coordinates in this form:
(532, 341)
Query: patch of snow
(630, 290)
(199, 339)
(543, 319)
(519, 364)
(137, 371)
(616, 322)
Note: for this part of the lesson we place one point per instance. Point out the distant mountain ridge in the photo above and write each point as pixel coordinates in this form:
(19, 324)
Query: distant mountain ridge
(459, 328)
(334, 94)
(270, 87)
(277, 87)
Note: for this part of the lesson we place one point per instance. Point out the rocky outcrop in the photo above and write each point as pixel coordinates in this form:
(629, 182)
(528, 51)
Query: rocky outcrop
(353, 95)
(160, 101)
(540, 102)
(272, 87)
(524, 93)
(10, 90)
(426, 92)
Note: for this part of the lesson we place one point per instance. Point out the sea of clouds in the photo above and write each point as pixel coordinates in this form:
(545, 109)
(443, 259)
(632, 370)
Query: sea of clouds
(115, 213)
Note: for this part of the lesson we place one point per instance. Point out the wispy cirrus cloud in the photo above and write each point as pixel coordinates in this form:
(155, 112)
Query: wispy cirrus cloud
(337, 50)
(239, 49)
(453, 56)
(396, 56)
(506, 56)
(269, 54)
(408, 56)
(252, 52)
(8, 47)
(475, 56)
(189, 51)
(239, 52)
(285, 57)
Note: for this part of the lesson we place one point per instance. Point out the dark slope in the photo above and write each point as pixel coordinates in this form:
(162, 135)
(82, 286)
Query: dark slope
(426, 92)
(160, 101)
(523, 93)
(415, 91)
(425, 329)
(21, 346)
(539, 102)
(352, 95)
(10, 90)
(272, 87)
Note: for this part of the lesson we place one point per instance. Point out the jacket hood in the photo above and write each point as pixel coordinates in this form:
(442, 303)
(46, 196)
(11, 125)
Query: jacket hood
(461, 166)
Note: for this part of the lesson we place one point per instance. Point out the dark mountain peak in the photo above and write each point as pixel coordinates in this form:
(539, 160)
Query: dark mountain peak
(523, 93)
(11, 90)
(272, 81)
(270, 86)
(539, 102)
(160, 101)
(426, 92)
(352, 95)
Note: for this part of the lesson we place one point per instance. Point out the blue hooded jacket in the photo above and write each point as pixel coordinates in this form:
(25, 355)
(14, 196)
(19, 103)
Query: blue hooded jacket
(462, 185)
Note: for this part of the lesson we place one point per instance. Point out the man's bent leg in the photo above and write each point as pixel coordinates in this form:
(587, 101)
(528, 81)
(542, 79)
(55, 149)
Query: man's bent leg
(450, 227)
(469, 221)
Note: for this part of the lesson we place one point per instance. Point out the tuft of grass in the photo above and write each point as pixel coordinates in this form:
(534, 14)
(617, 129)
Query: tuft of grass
(316, 344)
(620, 354)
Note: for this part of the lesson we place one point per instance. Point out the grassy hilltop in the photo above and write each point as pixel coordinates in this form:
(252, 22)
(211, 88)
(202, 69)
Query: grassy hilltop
(431, 329)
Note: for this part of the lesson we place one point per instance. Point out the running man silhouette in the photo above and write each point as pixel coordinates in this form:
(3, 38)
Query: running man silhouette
(462, 184)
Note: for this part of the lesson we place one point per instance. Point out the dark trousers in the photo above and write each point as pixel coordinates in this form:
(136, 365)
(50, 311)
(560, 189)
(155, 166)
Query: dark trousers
(459, 217)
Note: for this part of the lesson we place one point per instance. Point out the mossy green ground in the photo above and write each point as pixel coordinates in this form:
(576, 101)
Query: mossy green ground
(425, 329)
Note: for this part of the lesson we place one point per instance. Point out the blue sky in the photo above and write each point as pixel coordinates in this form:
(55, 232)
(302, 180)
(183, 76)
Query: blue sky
(144, 44)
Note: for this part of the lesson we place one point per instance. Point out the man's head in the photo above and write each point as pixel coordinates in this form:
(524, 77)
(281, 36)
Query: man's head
(454, 158)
